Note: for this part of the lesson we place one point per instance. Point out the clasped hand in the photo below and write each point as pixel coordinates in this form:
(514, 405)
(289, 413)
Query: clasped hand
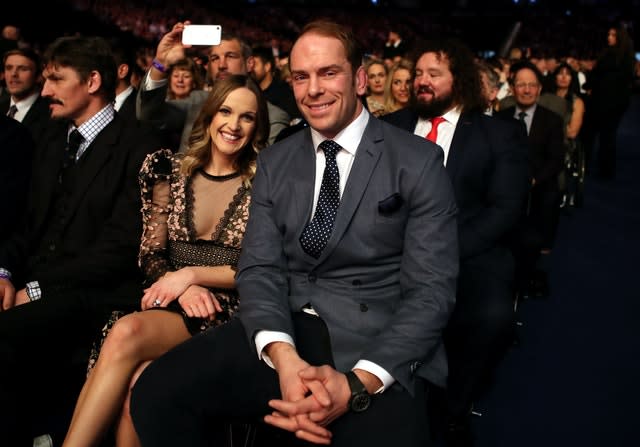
(312, 398)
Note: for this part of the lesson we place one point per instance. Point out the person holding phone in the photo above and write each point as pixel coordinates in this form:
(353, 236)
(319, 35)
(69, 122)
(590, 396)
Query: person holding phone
(231, 56)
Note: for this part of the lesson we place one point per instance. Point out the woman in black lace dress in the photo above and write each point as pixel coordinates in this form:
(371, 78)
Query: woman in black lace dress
(195, 209)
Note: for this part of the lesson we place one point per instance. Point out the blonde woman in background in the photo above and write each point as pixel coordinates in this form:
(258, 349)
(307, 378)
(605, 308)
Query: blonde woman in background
(398, 88)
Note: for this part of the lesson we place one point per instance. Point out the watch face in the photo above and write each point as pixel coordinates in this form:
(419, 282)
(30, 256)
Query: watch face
(360, 402)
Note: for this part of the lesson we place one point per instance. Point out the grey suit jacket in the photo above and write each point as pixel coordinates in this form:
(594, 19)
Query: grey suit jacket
(178, 115)
(385, 283)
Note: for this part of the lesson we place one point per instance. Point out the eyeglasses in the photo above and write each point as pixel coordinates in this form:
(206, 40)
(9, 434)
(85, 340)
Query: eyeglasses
(522, 85)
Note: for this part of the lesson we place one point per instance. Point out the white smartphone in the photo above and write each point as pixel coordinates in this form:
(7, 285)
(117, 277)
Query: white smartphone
(201, 34)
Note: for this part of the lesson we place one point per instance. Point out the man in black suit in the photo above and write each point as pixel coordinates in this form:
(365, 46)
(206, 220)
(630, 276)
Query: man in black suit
(23, 76)
(545, 131)
(363, 289)
(16, 150)
(486, 160)
(126, 94)
(73, 259)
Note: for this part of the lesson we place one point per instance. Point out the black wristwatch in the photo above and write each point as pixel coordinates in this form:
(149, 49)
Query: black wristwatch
(360, 399)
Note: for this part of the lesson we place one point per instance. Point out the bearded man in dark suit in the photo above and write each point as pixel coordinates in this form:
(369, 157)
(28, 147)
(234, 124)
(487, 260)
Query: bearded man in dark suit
(486, 160)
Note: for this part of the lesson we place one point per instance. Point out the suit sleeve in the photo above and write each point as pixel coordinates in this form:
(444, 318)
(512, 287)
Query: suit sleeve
(428, 274)
(554, 150)
(506, 192)
(262, 269)
(112, 256)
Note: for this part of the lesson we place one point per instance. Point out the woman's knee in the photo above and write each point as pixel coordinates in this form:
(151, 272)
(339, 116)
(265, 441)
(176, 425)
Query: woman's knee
(125, 337)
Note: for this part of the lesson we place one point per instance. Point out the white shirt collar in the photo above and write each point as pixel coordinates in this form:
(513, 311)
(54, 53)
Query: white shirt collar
(348, 138)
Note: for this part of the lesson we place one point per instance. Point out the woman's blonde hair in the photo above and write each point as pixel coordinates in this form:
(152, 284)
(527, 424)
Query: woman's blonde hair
(390, 104)
(198, 153)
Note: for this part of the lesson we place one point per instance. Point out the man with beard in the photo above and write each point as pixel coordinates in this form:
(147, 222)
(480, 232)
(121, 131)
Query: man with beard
(486, 160)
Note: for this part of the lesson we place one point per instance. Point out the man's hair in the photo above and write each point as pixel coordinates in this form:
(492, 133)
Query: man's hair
(84, 55)
(515, 68)
(467, 90)
(123, 53)
(492, 76)
(245, 48)
(30, 54)
(327, 28)
(265, 54)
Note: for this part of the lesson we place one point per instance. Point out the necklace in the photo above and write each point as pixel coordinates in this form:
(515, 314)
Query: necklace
(219, 178)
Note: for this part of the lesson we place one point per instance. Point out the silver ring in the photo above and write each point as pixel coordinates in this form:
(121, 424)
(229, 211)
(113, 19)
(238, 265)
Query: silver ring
(157, 302)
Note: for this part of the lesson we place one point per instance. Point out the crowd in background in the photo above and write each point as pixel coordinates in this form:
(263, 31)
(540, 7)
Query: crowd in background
(577, 65)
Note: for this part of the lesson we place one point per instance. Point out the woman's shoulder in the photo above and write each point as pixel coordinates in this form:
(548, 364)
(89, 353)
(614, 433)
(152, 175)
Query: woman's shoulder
(161, 163)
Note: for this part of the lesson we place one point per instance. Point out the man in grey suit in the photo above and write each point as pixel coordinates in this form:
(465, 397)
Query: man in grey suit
(232, 56)
(342, 309)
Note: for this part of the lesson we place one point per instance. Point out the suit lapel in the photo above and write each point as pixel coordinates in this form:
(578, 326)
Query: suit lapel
(303, 181)
(458, 144)
(367, 157)
(93, 159)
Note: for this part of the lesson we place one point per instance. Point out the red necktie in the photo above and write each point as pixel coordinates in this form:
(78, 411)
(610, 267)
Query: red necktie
(433, 133)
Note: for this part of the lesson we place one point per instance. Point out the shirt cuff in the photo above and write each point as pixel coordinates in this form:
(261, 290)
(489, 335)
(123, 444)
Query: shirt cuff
(4, 273)
(33, 290)
(378, 371)
(263, 338)
(150, 84)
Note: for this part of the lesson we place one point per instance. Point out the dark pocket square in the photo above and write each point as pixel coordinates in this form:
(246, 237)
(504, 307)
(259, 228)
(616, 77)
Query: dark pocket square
(390, 204)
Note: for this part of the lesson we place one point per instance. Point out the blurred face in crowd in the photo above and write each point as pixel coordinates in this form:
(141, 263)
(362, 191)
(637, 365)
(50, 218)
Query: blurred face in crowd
(234, 125)
(324, 84)
(612, 37)
(433, 85)
(21, 76)
(181, 82)
(376, 76)
(226, 59)
(526, 88)
(70, 95)
(401, 86)
(260, 69)
(563, 78)
(489, 91)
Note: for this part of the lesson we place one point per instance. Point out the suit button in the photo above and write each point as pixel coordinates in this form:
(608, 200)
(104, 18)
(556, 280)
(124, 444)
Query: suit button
(364, 307)
(52, 247)
(312, 277)
(356, 282)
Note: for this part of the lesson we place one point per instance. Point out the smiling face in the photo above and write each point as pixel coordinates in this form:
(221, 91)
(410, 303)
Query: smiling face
(526, 88)
(401, 86)
(324, 85)
(181, 83)
(433, 85)
(234, 124)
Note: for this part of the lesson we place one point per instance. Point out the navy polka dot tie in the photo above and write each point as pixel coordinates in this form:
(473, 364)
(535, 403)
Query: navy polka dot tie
(317, 232)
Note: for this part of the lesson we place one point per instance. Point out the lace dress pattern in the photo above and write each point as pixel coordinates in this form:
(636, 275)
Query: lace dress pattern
(169, 240)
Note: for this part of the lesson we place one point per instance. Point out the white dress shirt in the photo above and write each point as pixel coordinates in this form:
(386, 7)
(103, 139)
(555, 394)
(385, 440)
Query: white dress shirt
(349, 139)
(446, 129)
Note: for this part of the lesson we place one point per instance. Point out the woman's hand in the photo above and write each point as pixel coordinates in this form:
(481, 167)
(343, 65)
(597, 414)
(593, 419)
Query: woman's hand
(167, 288)
(199, 302)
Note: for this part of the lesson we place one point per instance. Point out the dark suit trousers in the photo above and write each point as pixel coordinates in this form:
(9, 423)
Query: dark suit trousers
(44, 350)
(479, 331)
(216, 376)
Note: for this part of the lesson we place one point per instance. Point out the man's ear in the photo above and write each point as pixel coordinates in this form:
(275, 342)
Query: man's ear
(250, 63)
(123, 70)
(95, 81)
(361, 81)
